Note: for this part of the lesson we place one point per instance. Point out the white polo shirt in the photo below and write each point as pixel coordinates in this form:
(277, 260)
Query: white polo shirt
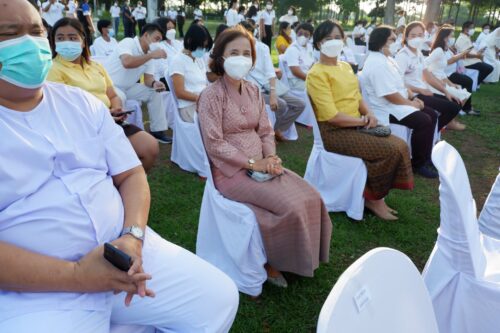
(263, 70)
(139, 13)
(411, 66)
(71, 8)
(194, 73)
(437, 62)
(232, 18)
(296, 55)
(450, 69)
(198, 14)
(381, 77)
(115, 11)
(57, 196)
(54, 14)
(267, 16)
(289, 18)
(122, 77)
(102, 48)
(463, 43)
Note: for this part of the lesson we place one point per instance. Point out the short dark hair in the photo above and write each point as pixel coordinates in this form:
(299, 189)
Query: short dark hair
(101, 24)
(444, 32)
(486, 25)
(197, 36)
(149, 28)
(248, 26)
(467, 25)
(220, 28)
(163, 21)
(241, 9)
(293, 9)
(409, 28)
(198, 20)
(323, 30)
(226, 37)
(305, 26)
(379, 37)
(74, 23)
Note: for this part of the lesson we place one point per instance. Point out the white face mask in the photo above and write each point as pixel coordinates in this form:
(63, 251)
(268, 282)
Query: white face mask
(471, 32)
(170, 34)
(237, 67)
(486, 31)
(393, 48)
(290, 12)
(451, 42)
(269, 6)
(302, 40)
(332, 48)
(416, 43)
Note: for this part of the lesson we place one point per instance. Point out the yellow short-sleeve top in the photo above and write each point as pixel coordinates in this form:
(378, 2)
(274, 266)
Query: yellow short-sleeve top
(92, 77)
(280, 41)
(333, 89)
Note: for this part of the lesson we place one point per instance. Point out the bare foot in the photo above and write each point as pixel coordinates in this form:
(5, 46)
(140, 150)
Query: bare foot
(279, 136)
(455, 125)
(380, 209)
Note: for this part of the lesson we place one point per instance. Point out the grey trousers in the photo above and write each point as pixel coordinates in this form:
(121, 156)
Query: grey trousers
(289, 109)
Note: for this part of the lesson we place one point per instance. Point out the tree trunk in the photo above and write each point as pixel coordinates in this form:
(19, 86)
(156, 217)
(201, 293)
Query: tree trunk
(458, 11)
(432, 11)
(389, 12)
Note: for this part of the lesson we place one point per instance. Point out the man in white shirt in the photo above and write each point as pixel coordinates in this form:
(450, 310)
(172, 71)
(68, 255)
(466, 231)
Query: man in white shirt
(198, 14)
(232, 14)
(74, 184)
(132, 59)
(266, 24)
(287, 107)
(402, 19)
(115, 11)
(52, 11)
(71, 12)
(105, 45)
(299, 57)
(172, 14)
(139, 14)
(473, 60)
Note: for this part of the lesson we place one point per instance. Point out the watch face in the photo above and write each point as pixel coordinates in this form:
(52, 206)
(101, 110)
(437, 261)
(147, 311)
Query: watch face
(137, 232)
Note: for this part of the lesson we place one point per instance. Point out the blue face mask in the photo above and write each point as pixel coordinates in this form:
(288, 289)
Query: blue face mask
(26, 61)
(69, 50)
(199, 53)
(111, 32)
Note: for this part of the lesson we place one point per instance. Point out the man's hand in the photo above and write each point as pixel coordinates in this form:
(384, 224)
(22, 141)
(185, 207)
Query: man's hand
(118, 119)
(93, 273)
(159, 86)
(418, 104)
(273, 100)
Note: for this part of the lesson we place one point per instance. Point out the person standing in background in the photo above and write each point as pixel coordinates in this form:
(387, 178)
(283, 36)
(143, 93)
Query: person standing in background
(266, 25)
(115, 16)
(71, 8)
(290, 17)
(84, 15)
(232, 14)
(128, 20)
(181, 19)
(52, 11)
(198, 14)
(139, 14)
(402, 19)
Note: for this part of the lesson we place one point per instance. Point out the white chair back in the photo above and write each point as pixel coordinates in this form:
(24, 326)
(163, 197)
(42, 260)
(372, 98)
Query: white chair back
(382, 292)
(489, 220)
(284, 69)
(458, 234)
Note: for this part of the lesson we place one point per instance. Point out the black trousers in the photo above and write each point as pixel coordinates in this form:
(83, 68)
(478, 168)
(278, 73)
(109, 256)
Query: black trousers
(447, 109)
(269, 36)
(128, 29)
(423, 124)
(467, 83)
(141, 23)
(359, 41)
(180, 28)
(484, 70)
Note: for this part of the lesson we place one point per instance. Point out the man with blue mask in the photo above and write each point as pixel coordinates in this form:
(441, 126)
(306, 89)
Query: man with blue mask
(70, 182)
(128, 63)
(105, 45)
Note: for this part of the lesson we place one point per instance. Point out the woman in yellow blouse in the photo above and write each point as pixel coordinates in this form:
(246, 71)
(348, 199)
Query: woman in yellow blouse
(343, 118)
(284, 40)
(72, 66)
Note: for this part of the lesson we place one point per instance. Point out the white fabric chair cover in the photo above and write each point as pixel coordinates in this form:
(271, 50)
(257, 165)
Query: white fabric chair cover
(187, 146)
(290, 134)
(131, 329)
(474, 75)
(229, 238)
(339, 179)
(402, 132)
(382, 292)
(489, 220)
(463, 271)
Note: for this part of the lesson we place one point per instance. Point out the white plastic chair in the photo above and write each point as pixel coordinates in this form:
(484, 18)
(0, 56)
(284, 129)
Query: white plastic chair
(229, 238)
(382, 292)
(474, 75)
(187, 146)
(489, 220)
(339, 179)
(463, 271)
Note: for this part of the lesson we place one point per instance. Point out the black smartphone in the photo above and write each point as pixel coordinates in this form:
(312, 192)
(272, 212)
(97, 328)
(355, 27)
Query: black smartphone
(119, 114)
(118, 258)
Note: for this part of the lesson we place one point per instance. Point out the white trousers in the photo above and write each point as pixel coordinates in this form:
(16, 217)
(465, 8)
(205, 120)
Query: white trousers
(156, 106)
(191, 296)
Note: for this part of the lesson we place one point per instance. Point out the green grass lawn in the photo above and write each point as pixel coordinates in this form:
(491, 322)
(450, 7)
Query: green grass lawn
(177, 195)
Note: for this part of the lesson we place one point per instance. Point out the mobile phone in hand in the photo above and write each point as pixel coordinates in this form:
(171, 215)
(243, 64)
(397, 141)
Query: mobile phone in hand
(124, 112)
(118, 258)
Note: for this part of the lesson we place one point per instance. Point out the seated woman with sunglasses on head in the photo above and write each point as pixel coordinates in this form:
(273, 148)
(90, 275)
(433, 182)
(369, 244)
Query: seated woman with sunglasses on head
(72, 66)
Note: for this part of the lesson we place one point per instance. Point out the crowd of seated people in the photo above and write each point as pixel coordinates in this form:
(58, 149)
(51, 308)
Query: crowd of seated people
(79, 164)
